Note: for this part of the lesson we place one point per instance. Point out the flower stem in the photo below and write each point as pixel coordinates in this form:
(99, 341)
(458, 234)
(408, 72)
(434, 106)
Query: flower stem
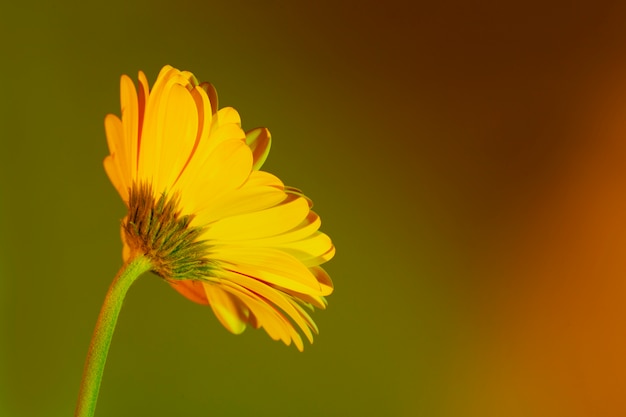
(101, 339)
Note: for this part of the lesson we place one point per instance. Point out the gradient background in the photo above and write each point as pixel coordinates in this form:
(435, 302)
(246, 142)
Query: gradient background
(469, 162)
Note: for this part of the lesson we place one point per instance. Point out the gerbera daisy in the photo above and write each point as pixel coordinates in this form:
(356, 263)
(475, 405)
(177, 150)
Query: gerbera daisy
(219, 230)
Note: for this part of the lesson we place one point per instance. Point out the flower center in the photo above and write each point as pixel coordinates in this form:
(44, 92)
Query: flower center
(157, 229)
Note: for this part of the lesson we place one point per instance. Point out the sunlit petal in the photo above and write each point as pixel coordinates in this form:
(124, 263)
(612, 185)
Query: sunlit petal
(220, 231)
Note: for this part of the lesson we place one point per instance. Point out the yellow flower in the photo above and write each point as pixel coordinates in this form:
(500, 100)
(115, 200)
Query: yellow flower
(218, 229)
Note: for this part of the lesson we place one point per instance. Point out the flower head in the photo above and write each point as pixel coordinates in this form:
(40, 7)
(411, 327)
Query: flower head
(219, 230)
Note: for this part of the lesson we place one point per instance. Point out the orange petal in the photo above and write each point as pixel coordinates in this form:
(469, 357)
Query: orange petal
(193, 290)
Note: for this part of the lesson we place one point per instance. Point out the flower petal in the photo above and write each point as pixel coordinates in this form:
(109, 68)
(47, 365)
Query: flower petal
(277, 326)
(113, 168)
(259, 140)
(225, 169)
(303, 230)
(142, 100)
(117, 164)
(130, 122)
(312, 251)
(324, 281)
(179, 133)
(204, 157)
(212, 93)
(269, 265)
(276, 297)
(259, 224)
(304, 242)
(191, 289)
(228, 309)
(259, 192)
(228, 115)
(299, 193)
(151, 141)
(261, 236)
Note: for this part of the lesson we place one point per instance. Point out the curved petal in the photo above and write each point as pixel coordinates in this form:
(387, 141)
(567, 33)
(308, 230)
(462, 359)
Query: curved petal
(191, 289)
(130, 122)
(149, 158)
(177, 135)
(277, 326)
(259, 192)
(112, 166)
(262, 236)
(269, 265)
(228, 115)
(204, 155)
(273, 221)
(312, 251)
(227, 308)
(225, 169)
(118, 163)
(259, 140)
(212, 93)
(277, 298)
(303, 230)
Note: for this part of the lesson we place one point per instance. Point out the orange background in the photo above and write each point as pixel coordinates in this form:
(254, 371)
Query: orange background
(469, 161)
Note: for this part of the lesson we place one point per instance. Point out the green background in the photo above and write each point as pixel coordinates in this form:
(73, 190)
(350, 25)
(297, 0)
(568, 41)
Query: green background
(468, 161)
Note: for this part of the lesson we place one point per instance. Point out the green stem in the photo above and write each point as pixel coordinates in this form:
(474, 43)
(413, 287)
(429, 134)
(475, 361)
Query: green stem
(101, 339)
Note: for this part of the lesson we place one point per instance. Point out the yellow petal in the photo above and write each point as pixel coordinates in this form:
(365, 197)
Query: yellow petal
(226, 169)
(117, 165)
(262, 178)
(227, 308)
(130, 121)
(114, 130)
(297, 192)
(324, 282)
(112, 166)
(259, 140)
(278, 298)
(323, 279)
(212, 93)
(277, 326)
(259, 224)
(177, 135)
(228, 115)
(309, 300)
(150, 149)
(312, 251)
(303, 230)
(204, 156)
(259, 192)
(269, 265)
(305, 315)
(163, 74)
(222, 134)
(304, 242)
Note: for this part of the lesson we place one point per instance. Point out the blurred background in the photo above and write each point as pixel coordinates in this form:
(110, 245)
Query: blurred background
(468, 160)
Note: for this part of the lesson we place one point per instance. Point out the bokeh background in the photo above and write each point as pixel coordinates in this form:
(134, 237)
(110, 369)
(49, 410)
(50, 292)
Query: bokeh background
(467, 158)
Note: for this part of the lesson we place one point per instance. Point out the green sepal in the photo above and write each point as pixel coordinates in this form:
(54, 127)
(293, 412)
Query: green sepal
(157, 229)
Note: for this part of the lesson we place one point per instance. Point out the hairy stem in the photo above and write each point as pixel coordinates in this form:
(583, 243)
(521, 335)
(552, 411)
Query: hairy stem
(101, 339)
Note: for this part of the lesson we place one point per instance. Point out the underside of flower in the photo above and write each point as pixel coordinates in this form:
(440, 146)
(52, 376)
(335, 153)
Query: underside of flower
(156, 229)
(217, 228)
